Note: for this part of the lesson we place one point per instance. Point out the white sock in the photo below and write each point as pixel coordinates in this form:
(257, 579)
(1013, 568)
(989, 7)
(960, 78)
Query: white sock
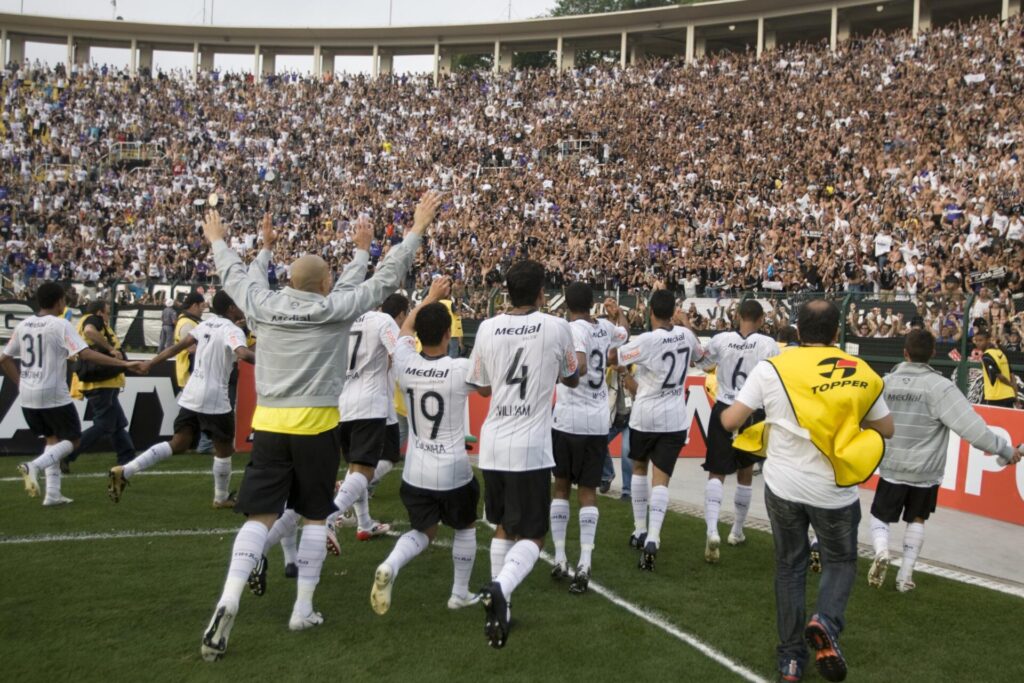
(712, 504)
(519, 562)
(362, 510)
(463, 557)
(52, 455)
(245, 554)
(53, 482)
(499, 548)
(812, 536)
(353, 487)
(383, 467)
(658, 507)
(283, 528)
(312, 551)
(879, 535)
(148, 458)
(221, 478)
(588, 532)
(913, 541)
(559, 526)
(409, 545)
(742, 503)
(290, 547)
(638, 492)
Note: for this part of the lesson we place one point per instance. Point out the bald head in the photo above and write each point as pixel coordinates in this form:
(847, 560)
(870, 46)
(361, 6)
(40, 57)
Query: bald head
(818, 322)
(311, 274)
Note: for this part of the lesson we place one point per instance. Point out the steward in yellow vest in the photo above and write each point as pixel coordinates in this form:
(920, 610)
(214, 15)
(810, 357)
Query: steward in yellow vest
(995, 372)
(191, 315)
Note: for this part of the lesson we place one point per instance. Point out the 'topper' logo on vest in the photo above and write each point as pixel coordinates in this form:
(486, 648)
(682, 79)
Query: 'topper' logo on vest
(831, 366)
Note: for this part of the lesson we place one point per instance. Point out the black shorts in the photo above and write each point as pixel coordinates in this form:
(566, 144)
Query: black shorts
(579, 457)
(219, 427)
(661, 448)
(61, 422)
(297, 470)
(1001, 403)
(721, 457)
(392, 444)
(913, 501)
(519, 501)
(362, 441)
(456, 509)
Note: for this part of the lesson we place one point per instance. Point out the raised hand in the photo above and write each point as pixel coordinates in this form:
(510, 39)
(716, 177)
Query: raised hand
(426, 210)
(440, 288)
(362, 237)
(267, 230)
(612, 309)
(213, 228)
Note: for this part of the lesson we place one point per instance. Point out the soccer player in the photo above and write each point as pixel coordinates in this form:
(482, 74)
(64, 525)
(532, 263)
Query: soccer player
(437, 481)
(734, 354)
(926, 406)
(657, 424)
(44, 343)
(304, 334)
(518, 358)
(203, 403)
(581, 424)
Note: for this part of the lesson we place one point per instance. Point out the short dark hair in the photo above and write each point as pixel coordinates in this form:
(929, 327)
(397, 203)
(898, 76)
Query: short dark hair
(982, 332)
(788, 335)
(96, 306)
(432, 321)
(663, 304)
(524, 282)
(751, 310)
(817, 322)
(49, 294)
(919, 345)
(222, 301)
(579, 297)
(395, 305)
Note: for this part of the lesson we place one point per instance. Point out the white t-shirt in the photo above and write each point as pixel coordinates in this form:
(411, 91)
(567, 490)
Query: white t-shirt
(435, 392)
(662, 358)
(735, 356)
(43, 344)
(794, 469)
(883, 244)
(521, 357)
(206, 391)
(584, 409)
(368, 393)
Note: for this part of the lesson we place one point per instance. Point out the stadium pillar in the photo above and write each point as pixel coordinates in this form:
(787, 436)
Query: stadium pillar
(690, 40)
(833, 38)
(922, 17)
(760, 36)
(437, 62)
(195, 61)
(1011, 8)
(17, 53)
(3, 48)
(317, 66)
(133, 59)
(374, 62)
(559, 44)
(497, 57)
(622, 50)
(256, 60)
(71, 51)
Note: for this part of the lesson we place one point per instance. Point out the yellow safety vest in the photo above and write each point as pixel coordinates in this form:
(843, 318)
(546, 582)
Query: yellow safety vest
(456, 319)
(997, 391)
(830, 392)
(78, 387)
(183, 361)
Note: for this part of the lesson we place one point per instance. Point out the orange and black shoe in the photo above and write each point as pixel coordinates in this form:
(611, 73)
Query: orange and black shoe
(829, 658)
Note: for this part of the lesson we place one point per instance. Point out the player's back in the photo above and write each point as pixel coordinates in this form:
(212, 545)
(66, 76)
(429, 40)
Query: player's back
(583, 409)
(207, 389)
(43, 345)
(662, 358)
(435, 392)
(521, 358)
(372, 339)
(735, 356)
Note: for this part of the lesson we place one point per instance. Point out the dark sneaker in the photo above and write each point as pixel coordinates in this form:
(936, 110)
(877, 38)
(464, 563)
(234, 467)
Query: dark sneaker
(815, 562)
(791, 670)
(496, 622)
(606, 485)
(829, 658)
(65, 466)
(291, 571)
(580, 581)
(258, 577)
(647, 556)
(638, 542)
(560, 570)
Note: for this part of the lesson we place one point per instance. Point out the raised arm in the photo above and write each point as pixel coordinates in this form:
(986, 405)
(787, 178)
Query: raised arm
(439, 289)
(954, 411)
(246, 292)
(354, 271)
(260, 264)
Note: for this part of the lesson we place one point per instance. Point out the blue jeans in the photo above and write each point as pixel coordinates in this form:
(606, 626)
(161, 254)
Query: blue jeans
(837, 542)
(108, 419)
(624, 461)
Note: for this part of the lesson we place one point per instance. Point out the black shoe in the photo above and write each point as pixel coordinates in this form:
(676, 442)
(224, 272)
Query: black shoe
(560, 570)
(496, 623)
(829, 658)
(647, 556)
(65, 466)
(606, 485)
(580, 581)
(258, 577)
(291, 571)
(638, 542)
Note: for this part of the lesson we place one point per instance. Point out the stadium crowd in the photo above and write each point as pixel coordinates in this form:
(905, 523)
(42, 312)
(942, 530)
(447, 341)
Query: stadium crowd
(889, 168)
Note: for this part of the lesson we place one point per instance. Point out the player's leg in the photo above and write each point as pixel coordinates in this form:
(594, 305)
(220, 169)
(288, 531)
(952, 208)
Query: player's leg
(362, 441)
(664, 455)
(921, 502)
(741, 503)
(587, 476)
(718, 462)
(424, 508)
(53, 475)
(61, 430)
(186, 425)
(886, 507)
(283, 528)
(459, 512)
(639, 444)
(494, 511)
(367, 527)
(222, 452)
(124, 447)
(562, 444)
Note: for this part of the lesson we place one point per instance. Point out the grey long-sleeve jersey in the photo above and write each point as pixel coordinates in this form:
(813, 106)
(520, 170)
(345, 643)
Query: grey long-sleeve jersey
(303, 337)
(925, 407)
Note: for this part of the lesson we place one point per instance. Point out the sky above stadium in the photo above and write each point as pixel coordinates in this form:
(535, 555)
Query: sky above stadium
(273, 13)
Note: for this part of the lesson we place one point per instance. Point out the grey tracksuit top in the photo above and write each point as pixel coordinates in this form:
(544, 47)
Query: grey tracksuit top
(925, 407)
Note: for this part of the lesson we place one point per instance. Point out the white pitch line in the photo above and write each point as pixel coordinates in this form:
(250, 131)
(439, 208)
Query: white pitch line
(103, 475)
(666, 626)
(110, 535)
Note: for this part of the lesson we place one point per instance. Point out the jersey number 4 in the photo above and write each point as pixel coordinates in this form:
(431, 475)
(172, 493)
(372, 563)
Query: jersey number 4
(517, 374)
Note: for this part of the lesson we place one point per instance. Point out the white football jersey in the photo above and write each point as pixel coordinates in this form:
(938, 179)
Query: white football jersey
(584, 409)
(206, 391)
(368, 393)
(662, 358)
(735, 356)
(521, 357)
(435, 393)
(43, 344)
